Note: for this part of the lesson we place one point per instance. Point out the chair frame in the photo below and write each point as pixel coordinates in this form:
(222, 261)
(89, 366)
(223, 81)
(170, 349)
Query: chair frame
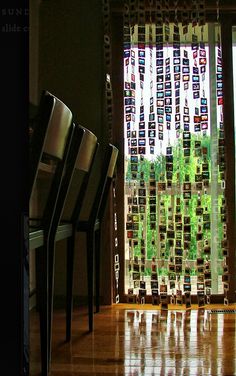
(92, 229)
(54, 116)
(81, 156)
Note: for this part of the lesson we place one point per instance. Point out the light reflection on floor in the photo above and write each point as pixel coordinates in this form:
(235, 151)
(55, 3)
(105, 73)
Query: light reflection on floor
(174, 342)
(131, 339)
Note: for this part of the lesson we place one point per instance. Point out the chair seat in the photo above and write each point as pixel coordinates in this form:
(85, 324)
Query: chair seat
(36, 238)
(36, 234)
(64, 230)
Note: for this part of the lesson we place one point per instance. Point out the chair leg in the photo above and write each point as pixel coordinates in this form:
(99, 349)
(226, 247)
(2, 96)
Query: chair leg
(90, 275)
(69, 284)
(51, 273)
(42, 299)
(97, 268)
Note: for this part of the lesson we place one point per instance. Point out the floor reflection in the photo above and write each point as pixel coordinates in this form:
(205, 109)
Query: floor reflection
(141, 342)
(178, 343)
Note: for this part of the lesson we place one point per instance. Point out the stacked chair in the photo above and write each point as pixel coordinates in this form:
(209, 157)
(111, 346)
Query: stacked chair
(89, 223)
(50, 142)
(69, 150)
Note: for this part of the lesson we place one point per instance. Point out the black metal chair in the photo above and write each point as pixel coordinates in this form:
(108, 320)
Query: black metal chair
(50, 144)
(91, 226)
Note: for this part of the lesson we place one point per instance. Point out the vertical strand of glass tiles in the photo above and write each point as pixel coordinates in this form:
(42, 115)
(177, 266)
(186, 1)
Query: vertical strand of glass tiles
(134, 241)
(129, 101)
(154, 241)
(205, 169)
(195, 80)
(214, 188)
(176, 217)
(186, 143)
(142, 151)
(223, 243)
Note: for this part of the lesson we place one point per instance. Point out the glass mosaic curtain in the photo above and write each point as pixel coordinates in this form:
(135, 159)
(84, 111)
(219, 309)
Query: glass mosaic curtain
(175, 210)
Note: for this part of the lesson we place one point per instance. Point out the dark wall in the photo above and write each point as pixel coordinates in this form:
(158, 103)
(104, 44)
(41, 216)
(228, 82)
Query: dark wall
(71, 56)
(66, 57)
(33, 51)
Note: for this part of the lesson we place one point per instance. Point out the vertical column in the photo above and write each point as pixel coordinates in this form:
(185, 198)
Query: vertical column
(228, 111)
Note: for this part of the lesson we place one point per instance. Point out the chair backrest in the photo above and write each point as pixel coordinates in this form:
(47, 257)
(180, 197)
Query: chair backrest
(103, 187)
(86, 151)
(51, 139)
(80, 159)
(110, 175)
(50, 131)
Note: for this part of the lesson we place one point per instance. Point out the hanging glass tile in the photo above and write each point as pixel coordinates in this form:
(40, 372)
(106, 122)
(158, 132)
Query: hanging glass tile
(171, 187)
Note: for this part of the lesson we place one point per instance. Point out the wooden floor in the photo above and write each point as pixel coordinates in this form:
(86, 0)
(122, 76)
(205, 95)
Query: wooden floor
(140, 340)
